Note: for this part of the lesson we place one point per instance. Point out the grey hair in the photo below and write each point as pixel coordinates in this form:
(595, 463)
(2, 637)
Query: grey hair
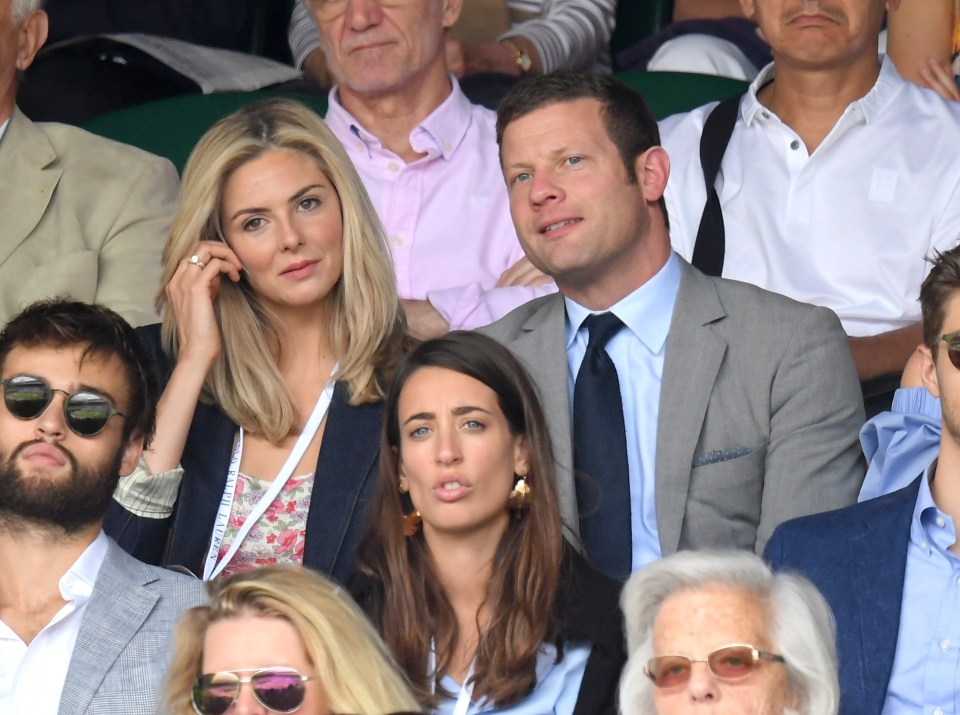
(20, 9)
(801, 626)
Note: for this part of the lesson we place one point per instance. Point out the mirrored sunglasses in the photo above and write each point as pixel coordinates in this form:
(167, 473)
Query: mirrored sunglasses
(732, 662)
(953, 347)
(280, 690)
(85, 411)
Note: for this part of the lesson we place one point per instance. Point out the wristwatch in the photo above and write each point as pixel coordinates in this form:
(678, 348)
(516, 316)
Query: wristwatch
(521, 57)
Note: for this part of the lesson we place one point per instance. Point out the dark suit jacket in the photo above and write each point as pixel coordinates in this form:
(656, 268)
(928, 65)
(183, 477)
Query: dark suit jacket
(760, 411)
(343, 486)
(587, 610)
(857, 557)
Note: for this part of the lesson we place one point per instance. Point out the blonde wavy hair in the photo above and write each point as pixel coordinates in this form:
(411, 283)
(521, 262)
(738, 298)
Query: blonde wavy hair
(356, 671)
(366, 329)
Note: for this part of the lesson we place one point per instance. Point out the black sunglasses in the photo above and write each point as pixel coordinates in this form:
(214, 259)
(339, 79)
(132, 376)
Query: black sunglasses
(86, 411)
(280, 690)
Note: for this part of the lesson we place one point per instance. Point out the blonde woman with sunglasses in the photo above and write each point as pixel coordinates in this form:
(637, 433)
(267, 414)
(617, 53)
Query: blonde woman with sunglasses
(282, 639)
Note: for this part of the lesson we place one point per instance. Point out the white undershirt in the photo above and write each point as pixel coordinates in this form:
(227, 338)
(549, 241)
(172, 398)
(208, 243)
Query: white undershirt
(3, 127)
(32, 676)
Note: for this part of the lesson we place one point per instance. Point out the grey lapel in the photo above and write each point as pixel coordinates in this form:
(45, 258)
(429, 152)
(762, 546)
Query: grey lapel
(691, 362)
(28, 178)
(542, 346)
(116, 611)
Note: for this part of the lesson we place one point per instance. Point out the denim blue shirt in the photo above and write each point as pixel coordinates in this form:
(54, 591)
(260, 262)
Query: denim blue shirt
(556, 692)
(926, 666)
(637, 352)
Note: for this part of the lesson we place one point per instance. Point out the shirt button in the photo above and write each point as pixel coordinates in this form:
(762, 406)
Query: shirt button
(397, 240)
(393, 166)
(447, 146)
(940, 521)
(766, 115)
(944, 645)
(937, 711)
(794, 145)
(924, 545)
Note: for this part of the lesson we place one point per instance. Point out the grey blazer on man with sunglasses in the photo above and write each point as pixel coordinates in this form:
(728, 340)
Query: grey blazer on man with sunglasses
(760, 411)
(123, 649)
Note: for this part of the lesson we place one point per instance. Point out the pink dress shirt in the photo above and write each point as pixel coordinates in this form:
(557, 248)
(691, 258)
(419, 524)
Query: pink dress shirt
(446, 215)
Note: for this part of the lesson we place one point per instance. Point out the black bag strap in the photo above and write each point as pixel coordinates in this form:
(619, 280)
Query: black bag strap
(717, 129)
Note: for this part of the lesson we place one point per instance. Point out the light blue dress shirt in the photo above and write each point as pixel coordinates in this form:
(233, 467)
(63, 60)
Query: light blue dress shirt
(556, 692)
(637, 352)
(926, 666)
(901, 443)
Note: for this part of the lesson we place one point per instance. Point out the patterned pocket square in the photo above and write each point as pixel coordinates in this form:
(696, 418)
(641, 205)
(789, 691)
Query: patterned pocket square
(721, 455)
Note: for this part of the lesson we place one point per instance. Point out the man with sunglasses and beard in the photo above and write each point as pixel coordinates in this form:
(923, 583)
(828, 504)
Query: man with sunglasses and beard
(84, 627)
(890, 566)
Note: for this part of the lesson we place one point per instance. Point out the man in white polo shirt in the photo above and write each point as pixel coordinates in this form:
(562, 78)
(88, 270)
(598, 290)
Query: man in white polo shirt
(838, 180)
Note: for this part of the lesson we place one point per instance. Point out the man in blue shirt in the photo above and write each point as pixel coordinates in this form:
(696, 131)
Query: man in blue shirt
(730, 409)
(889, 566)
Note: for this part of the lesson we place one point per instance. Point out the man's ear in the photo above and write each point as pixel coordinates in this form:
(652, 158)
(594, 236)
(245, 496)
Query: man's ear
(749, 9)
(451, 12)
(891, 5)
(928, 370)
(653, 169)
(33, 33)
(132, 451)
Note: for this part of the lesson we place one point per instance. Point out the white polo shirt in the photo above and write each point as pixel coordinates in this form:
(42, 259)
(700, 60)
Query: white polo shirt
(847, 227)
(32, 676)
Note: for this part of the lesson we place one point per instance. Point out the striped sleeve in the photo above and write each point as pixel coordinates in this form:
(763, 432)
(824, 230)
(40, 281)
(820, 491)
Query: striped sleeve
(569, 34)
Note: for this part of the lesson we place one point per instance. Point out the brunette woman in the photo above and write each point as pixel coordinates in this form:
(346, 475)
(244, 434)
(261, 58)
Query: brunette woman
(464, 569)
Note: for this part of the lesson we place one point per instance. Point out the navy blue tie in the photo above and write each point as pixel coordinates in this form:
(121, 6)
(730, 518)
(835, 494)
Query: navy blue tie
(600, 454)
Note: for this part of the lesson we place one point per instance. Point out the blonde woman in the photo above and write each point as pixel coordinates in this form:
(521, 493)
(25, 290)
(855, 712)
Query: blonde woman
(280, 318)
(282, 639)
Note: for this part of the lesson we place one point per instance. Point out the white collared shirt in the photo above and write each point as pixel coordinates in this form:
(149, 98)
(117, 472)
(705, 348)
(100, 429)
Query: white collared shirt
(847, 227)
(32, 676)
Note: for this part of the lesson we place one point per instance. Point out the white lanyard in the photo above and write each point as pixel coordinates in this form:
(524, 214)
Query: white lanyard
(465, 698)
(213, 567)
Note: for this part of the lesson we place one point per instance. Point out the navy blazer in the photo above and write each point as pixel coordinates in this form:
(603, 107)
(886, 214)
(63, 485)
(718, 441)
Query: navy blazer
(857, 557)
(342, 488)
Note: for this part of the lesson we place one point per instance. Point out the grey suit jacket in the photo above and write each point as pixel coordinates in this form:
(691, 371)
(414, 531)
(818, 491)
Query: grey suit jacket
(123, 649)
(83, 217)
(759, 413)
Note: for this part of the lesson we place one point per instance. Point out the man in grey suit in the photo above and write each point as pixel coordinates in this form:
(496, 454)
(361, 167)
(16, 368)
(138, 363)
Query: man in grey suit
(84, 627)
(740, 408)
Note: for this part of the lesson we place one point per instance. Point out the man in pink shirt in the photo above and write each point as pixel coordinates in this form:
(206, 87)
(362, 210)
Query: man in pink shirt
(428, 158)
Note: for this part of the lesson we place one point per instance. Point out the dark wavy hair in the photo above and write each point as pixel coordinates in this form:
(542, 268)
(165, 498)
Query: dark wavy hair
(60, 323)
(412, 610)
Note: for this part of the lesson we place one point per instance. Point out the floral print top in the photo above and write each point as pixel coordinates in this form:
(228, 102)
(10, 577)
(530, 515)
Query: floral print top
(279, 535)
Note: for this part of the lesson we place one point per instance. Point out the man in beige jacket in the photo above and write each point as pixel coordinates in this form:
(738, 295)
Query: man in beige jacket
(80, 216)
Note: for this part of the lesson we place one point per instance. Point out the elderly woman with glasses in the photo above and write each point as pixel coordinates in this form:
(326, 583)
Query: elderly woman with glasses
(719, 629)
(282, 639)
